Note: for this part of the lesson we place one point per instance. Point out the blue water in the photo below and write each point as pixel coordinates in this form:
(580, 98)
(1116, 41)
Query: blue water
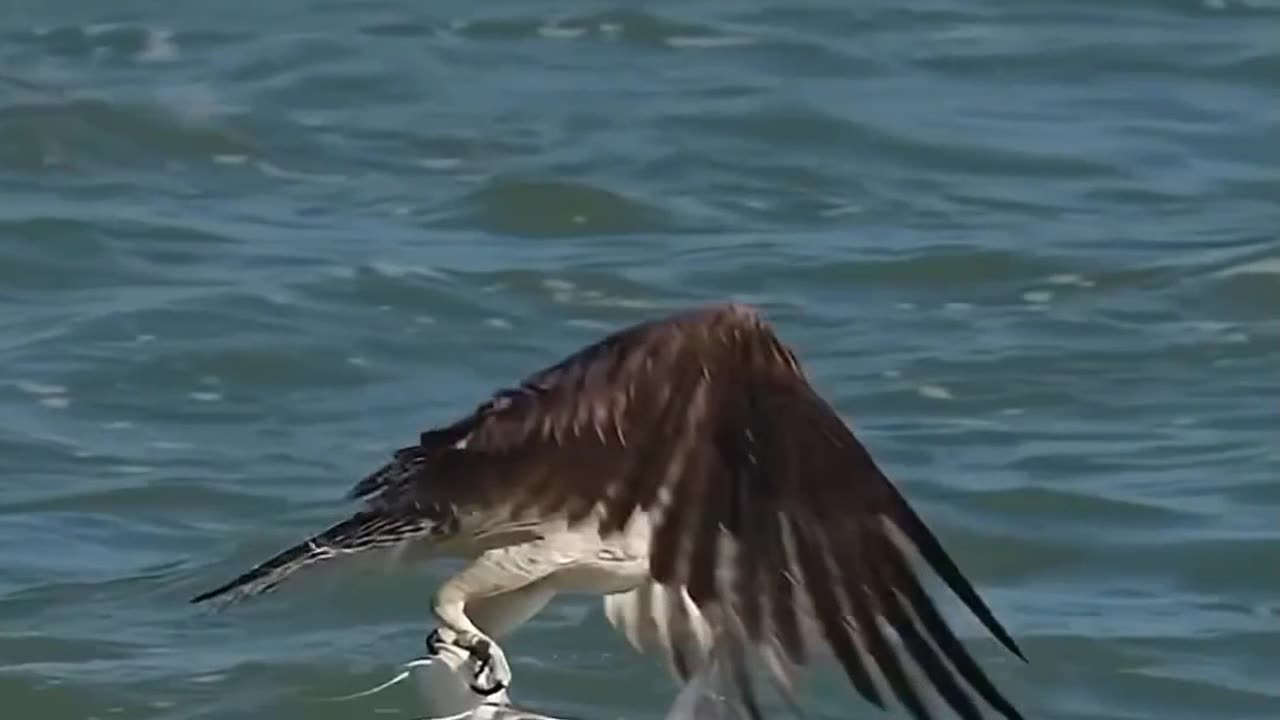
(1029, 249)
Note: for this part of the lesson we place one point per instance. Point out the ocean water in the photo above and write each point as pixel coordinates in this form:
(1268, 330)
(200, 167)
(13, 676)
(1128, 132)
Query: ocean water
(1030, 249)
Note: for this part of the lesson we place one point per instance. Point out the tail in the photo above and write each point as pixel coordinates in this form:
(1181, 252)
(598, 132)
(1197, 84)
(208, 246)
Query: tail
(365, 530)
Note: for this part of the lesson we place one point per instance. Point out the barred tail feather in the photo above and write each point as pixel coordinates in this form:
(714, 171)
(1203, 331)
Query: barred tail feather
(365, 530)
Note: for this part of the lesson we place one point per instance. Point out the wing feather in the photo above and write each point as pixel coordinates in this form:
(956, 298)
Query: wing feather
(764, 505)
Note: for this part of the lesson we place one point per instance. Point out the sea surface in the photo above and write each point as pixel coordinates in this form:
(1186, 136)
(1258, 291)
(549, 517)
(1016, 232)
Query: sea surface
(1030, 249)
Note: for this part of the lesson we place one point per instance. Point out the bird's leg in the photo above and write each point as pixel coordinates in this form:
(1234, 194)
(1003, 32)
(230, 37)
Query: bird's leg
(498, 572)
(458, 630)
(500, 615)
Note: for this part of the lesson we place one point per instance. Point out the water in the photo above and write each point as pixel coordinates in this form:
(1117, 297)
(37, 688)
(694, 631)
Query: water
(247, 249)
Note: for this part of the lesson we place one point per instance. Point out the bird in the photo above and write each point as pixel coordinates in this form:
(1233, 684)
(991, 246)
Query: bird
(686, 470)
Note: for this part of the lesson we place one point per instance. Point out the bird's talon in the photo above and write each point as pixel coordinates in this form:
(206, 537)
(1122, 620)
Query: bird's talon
(497, 687)
(434, 639)
(481, 650)
(490, 661)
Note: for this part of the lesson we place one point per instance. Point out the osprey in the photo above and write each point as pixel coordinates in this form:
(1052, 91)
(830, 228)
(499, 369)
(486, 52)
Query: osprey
(685, 469)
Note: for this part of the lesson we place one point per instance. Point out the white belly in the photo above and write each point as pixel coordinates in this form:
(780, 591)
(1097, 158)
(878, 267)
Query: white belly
(595, 565)
(578, 560)
(599, 573)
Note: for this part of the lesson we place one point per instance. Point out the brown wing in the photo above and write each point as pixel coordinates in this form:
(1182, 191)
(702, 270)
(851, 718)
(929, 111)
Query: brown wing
(762, 500)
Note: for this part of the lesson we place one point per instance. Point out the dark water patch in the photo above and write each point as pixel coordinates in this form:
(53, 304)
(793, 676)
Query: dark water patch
(1246, 285)
(806, 125)
(556, 208)
(77, 134)
(1105, 679)
(939, 268)
(399, 27)
(1228, 566)
(86, 555)
(171, 500)
(61, 254)
(40, 690)
(32, 648)
(1041, 507)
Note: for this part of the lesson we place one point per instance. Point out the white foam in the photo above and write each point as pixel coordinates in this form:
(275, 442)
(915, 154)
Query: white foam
(560, 33)
(1038, 297)
(273, 170)
(840, 209)
(935, 392)
(230, 159)
(205, 396)
(589, 324)
(32, 387)
(158, 47)
(705, 42)
(194, 101)
(96, 29)
(439, 163)
(958, 307)
(631, 303)
(401, 270)
(1264, 266)
(1070, 279)
(57, 402)
(132, 469)
(498, 322)
(557, 284)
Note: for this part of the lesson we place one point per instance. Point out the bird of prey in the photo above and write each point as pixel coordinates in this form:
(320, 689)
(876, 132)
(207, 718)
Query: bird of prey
(685, 469)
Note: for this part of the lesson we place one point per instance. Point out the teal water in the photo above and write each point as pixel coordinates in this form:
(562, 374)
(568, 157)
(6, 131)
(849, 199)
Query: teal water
(1030, 249)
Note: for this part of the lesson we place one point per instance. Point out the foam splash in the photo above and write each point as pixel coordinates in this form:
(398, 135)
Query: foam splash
(444, 692)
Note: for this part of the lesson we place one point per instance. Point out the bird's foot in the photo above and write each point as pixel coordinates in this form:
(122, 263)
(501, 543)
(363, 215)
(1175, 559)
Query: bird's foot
(492, 673)
(440, 636)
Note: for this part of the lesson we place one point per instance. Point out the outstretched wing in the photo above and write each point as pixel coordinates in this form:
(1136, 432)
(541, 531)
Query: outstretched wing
(765, 510)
